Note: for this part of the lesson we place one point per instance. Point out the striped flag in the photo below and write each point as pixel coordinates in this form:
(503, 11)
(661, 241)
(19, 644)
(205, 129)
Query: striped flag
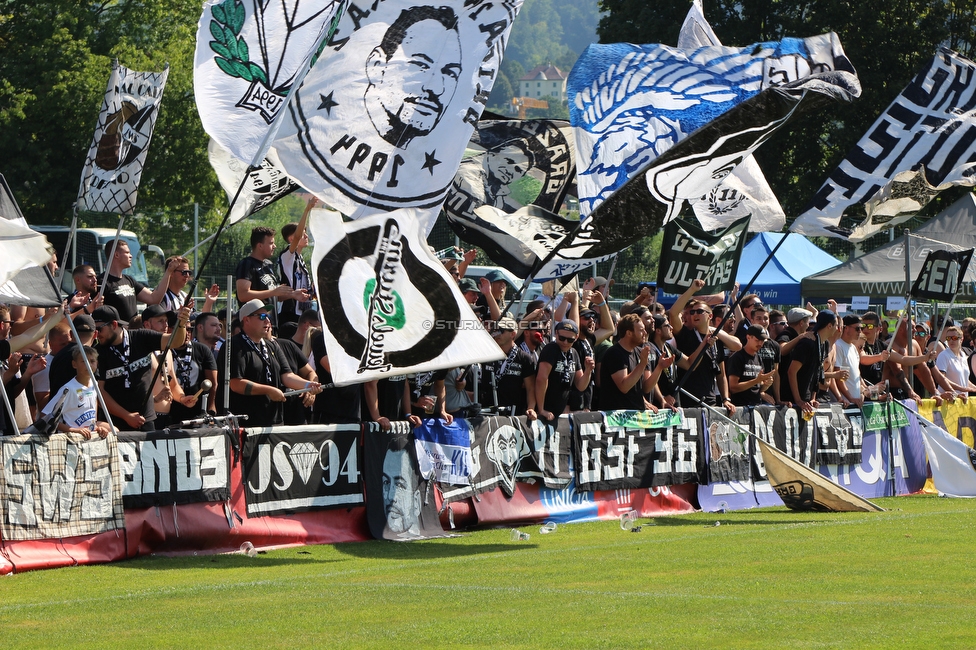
(923, 143)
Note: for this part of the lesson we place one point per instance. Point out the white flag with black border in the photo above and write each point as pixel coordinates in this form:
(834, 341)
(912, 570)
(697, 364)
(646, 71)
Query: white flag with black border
(952, 461)
(388, 306)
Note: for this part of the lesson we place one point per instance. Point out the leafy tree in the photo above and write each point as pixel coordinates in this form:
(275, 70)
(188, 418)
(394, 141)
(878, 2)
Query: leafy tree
(55, 60)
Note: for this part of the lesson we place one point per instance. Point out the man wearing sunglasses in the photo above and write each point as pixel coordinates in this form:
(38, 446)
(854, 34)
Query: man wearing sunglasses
(259, 370)
(559, 369)
(125, 365)
(690, 319)
(848, 357)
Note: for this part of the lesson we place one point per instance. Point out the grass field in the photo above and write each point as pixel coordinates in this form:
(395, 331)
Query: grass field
(762, 579)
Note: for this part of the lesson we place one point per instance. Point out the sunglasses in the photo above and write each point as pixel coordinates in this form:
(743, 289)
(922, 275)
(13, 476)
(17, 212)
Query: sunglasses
(779, 322)
(869, 326)
(567, 339)
(856, 328)
(185, 274)
(921, 332)
(697, 311)
(953, 338)
(262, 316)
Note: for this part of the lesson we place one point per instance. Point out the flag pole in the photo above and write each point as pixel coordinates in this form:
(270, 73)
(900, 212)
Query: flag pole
(111, 258)
(728, 315)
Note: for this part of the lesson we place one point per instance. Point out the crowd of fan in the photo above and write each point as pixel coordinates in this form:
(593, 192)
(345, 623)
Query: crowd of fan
(569, 352)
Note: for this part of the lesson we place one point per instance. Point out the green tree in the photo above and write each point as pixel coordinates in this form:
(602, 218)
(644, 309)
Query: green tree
(55, 60)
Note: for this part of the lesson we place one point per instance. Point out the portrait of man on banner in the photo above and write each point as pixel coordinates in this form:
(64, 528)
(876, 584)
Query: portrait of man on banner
(413, 74)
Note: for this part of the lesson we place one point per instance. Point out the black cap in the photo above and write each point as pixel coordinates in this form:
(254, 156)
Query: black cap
(758, 331)
(568, 326)
(107, 314)
(84, 323)
(152, 311)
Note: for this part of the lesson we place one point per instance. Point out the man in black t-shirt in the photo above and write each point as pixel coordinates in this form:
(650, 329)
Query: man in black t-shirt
(336, 404)
(259, 370)
(624, 375)
(125, 365)
(748, 379)
(256, 277)
(427, 395)
(124, 293)
(797, 323)
(509, 382)
(192, 364)
(387, 400)
(690, 318)
(559, 368)
(806, 372)
(871, 328)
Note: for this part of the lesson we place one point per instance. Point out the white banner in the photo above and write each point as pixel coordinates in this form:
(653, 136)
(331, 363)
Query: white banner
(388, 306)
(951, 461)
(248, 55)
(113, 168)
(382, 119)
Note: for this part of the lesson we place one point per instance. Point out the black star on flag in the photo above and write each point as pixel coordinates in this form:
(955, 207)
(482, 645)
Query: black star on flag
(430, 161)
(328, 103)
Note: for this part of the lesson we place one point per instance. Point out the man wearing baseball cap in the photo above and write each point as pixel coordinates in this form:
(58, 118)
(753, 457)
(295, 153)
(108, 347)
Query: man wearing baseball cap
(259, 370)
(748, 379)
(125, 365)
(806, 372)
(559, 369)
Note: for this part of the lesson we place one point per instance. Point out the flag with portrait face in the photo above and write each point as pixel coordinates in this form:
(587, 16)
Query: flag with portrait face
(383, 117)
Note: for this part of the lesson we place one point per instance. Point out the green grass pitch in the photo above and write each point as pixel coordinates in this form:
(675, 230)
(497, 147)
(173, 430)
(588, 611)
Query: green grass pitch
(767, 578)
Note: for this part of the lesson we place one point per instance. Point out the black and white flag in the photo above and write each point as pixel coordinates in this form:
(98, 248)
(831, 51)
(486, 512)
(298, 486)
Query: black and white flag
(656, 126)
(400, 503)
(506, 450)
(923, 143)
(744, 191)
(689, 253)
(295, 469)
(25, 251)
(729, 458)
(264, 185)
(630, 449)
(382, 119)
(388, 306)
(174, 467)
(941, 276)
(249, 56)
(513, 179)
(840, 435)
(113, 168)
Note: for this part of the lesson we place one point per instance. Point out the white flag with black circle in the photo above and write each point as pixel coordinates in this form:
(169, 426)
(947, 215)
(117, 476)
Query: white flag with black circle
(388, 306)
(383, 117)
(113, 168)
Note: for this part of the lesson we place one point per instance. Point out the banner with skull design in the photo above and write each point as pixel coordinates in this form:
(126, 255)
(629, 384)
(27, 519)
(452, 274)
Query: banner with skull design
(383, 117)
(388, 306)
(113, 168)
(840, 435)
(635, 449)
(506, 450)
(400, 503)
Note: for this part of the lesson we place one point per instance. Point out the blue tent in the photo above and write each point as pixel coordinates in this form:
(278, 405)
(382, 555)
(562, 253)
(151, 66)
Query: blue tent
(779, 282)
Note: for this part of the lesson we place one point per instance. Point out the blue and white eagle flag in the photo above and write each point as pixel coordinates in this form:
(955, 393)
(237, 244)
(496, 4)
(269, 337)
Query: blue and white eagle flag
(744, 191)
(923, 143)
(631, 103)
(656, 126)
